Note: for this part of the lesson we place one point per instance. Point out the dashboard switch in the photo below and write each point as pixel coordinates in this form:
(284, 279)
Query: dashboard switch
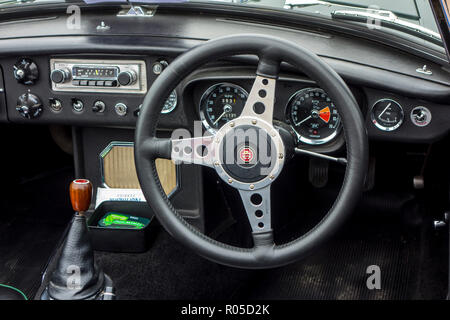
(26, 71)
(77, 105)
(55, 104)
(137, 111)
(29, 106)
(99, 106)
(159, 66)
(121, 109)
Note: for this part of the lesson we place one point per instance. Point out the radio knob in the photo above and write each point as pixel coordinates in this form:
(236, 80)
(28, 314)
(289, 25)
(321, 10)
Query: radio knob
(126, 78)
(60, 75)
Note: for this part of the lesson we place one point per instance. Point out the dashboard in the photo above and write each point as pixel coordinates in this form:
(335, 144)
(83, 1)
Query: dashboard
(99, 79)
(89, 91)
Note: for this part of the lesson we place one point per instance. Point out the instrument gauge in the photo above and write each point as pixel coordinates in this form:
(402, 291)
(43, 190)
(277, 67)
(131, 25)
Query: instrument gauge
(387, 115)
(171, 103)
(313, 116)
(221, 103)
(421, 116)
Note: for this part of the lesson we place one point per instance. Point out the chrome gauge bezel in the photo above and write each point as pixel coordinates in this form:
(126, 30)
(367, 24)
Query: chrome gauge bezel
(380, 126)
(303, 139)
(173, 106)
(205, 94)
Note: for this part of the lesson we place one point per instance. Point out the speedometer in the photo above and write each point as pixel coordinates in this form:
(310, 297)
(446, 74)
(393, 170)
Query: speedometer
(221, 103)
(313, 116)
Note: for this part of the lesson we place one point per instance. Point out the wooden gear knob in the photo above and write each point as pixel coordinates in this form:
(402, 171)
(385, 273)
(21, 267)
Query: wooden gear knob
(80, 194)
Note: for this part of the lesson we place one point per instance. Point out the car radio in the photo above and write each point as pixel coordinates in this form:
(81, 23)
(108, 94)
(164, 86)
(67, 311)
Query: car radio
(116, 76)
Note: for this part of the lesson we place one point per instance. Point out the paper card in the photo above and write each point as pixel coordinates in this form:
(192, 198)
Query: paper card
(114, 194)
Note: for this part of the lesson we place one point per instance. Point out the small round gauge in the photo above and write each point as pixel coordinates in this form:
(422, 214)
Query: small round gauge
(221, 103)
(171, 103)
(421, 116)
(313, 116)
(387, 115)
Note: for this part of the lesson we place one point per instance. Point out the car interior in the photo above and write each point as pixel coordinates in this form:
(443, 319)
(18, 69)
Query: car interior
(224, 150)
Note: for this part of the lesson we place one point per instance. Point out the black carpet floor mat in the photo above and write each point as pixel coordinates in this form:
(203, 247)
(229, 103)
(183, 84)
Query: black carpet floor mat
(337, 271)
(170, 271)
(22, 261)
(33, 217)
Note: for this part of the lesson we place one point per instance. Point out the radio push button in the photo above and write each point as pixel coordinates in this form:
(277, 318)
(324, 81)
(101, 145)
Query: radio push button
(110, 83)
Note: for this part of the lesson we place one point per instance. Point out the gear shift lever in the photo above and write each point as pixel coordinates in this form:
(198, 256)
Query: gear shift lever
(80, 195)
(76, 276)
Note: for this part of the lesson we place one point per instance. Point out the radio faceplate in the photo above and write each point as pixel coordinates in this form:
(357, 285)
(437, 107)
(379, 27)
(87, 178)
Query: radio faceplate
(108, 76)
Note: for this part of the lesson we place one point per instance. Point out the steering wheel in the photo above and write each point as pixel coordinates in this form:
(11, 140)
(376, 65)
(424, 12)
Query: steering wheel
(248, 153)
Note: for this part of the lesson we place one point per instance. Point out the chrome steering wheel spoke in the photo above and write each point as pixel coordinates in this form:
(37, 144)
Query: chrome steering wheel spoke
(260, 101)
(199, 150)
(258, 112)
(257, 207)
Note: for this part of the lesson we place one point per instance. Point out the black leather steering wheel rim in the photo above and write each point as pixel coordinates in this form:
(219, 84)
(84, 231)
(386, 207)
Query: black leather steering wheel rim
(271, 51)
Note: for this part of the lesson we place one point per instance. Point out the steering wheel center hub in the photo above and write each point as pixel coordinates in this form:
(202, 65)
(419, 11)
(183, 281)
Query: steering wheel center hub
(250, 155)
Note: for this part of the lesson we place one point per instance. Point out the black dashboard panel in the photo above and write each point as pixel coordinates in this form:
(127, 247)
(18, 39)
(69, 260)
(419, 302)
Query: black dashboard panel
(408, 131)
(42, 88)
(188, 28)
(189, 93)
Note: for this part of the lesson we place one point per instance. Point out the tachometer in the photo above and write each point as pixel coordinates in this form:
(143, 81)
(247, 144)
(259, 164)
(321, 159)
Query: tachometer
(313, 116)
(221, 103)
